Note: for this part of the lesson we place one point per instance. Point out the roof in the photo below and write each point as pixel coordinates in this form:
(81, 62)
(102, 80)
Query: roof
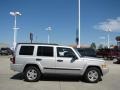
(38, 43)
(43, 44)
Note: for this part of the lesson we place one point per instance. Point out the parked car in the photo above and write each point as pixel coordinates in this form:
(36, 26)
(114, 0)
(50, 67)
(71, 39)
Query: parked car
(87, 52)
(6, 51)
(108, 53)
(0, 52)
(35, 60)
(117, 61)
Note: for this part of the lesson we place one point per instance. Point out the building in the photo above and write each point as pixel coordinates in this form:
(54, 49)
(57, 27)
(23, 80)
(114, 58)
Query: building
(3, 45)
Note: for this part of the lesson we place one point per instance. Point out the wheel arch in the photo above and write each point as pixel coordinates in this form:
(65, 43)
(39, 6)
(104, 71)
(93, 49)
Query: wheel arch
(28, 65)
(94, 67)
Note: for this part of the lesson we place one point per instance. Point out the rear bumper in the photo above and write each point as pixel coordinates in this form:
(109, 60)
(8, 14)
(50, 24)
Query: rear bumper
(16, 67)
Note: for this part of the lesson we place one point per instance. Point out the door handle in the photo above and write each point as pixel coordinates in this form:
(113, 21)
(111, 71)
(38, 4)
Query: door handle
(38, 59)
(60, 60)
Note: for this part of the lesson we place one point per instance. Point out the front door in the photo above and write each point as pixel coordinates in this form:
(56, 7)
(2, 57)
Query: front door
(67, 62)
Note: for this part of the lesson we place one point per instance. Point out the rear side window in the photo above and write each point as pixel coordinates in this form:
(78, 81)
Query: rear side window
(45, 51)
(26, 50)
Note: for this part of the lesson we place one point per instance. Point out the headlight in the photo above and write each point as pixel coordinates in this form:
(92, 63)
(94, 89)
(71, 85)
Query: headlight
(104, 65)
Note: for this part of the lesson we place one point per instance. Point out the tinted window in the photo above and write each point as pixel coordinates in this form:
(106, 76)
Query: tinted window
(26, 50)
(81, 52)
(65, 52)
(3, 48)
(45, 51)
(87, 52)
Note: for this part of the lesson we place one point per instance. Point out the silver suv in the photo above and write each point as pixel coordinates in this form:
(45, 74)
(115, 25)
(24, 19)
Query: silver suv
(36, 59)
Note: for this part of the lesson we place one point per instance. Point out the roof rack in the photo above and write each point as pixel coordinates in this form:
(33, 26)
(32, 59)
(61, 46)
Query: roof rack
(39, 43)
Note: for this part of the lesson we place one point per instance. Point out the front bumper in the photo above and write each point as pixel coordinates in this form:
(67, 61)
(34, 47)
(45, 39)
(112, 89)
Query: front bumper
(105, 71)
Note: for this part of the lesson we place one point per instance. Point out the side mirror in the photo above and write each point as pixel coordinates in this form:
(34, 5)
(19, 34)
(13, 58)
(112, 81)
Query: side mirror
(74, 57)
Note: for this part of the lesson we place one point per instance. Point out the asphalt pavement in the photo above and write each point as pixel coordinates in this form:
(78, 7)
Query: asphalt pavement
(10, 80)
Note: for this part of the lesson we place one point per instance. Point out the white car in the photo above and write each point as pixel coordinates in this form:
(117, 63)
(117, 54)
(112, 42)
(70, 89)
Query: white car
(37, 59)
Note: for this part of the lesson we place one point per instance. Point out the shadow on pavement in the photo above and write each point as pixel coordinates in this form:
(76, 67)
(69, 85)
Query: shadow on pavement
(19, 76)
(61, 78)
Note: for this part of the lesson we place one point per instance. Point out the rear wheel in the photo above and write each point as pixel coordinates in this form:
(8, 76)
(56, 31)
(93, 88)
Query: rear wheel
(92, 75)
(32, 74)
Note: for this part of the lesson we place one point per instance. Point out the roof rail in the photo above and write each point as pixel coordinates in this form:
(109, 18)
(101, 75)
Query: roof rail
(39, 43)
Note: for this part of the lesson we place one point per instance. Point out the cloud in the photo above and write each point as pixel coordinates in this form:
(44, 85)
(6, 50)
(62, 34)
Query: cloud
(112, 25)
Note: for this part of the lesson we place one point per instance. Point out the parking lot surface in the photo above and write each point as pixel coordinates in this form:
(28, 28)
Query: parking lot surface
(10, 80)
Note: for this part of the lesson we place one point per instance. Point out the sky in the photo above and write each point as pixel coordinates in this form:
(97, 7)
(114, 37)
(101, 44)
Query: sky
(95, 16)
(62, 17)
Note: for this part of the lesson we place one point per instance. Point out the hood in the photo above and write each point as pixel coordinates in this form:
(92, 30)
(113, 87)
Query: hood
(93, 59)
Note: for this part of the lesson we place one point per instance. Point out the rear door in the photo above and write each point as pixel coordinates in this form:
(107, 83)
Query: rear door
(24, 55)
(45, 56)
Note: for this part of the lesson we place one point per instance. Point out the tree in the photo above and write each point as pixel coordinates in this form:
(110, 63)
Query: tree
(93, 46)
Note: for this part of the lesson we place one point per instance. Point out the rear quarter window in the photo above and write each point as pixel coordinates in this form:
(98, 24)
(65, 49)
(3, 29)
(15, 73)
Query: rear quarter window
(26, 50)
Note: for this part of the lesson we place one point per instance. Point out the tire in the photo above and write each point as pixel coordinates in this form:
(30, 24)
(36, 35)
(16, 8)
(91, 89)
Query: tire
(92, 75)
(32, 74)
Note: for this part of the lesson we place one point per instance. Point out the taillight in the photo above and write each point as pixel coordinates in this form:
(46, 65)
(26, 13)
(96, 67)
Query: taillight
(12, 60)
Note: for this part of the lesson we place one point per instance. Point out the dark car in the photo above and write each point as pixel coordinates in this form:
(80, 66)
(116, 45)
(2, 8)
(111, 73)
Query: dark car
(6, 51)
(0, 52)
(87, 52)
(108, 53)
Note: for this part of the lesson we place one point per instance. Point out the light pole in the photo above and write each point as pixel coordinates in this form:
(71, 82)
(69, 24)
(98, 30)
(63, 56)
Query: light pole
(78, 24)
(49, 29)
(108, 30)
(15, 14)
(108, 38)
(102, 38)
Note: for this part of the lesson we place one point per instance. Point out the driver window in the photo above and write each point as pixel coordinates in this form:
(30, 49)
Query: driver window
(63, 52)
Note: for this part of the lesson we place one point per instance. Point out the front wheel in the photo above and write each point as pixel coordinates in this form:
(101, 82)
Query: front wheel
(92, 75)
(32, 74)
